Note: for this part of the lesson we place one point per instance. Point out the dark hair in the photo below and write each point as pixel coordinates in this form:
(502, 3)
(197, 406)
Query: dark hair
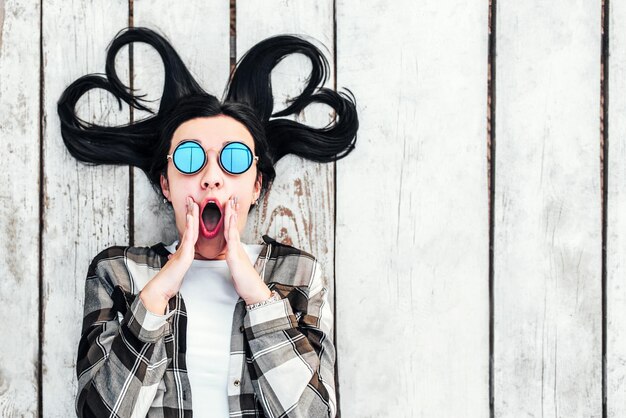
(248, 99)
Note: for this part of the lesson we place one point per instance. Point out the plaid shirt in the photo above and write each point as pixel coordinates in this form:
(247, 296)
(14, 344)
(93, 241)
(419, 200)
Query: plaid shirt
(281, 354)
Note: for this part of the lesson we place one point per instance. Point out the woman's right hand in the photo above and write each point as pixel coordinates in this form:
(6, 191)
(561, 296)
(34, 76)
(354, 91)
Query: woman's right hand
(167, 282)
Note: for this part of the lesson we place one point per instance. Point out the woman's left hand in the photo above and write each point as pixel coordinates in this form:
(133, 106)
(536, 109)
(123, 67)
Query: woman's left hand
(248, 283)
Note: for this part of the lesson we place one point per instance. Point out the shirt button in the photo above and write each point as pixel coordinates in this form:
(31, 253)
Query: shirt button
(241, 328)
(236, 382)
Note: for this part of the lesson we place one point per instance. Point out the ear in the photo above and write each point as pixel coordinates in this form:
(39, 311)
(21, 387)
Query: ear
(257, 187)
(165, 187)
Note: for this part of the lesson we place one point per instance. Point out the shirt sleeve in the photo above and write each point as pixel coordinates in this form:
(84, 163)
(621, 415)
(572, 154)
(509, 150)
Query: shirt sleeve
(121, 355)
(294, 357)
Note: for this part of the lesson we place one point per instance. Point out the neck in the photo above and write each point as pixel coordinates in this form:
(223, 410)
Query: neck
(199, 256)
(210, 249)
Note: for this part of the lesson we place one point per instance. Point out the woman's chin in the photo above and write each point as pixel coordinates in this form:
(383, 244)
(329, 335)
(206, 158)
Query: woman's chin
(211, 248)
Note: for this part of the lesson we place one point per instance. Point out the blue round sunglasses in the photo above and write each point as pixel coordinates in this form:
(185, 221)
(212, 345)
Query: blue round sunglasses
(234, 158)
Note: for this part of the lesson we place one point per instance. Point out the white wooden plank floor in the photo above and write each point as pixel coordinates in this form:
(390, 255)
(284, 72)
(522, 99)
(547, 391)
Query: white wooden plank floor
(412, 211)
(547, 262)
(19, 209)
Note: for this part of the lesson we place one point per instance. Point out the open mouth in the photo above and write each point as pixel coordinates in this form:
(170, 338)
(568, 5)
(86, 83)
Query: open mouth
(212, 219)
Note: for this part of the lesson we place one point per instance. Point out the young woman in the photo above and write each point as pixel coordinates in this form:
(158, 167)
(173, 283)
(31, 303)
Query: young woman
(208, 324)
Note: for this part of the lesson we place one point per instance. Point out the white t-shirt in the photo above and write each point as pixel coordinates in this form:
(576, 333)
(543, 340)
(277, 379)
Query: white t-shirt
(210, 297)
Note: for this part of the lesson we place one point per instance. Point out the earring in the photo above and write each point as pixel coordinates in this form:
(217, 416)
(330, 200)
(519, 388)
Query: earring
(164, 200)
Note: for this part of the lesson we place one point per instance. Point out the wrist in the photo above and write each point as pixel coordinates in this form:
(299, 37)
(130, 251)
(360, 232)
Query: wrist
(154, 302)
(263, 293)
(273, 297)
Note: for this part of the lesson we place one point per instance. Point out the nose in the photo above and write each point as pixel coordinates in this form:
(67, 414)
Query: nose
(212, 175)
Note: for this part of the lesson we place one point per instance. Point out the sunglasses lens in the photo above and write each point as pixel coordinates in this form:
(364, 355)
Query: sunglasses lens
(189, 157)
(236, 158)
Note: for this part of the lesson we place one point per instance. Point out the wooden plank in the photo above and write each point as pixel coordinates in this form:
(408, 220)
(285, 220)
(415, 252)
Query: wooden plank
(547, 261)
(299, 208)
(199, 31)
(85, 208)
(616, 219)
(19, 208)
(412, 264)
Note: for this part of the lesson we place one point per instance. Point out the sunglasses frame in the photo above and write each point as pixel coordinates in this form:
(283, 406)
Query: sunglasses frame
(219, 157)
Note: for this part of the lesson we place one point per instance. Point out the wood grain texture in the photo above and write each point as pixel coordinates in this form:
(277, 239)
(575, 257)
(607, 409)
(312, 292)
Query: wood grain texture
(547, 261)
(19, 208)
(85, 208)
(412, 211)
(616, 220)
(299, 208)
(199, 31)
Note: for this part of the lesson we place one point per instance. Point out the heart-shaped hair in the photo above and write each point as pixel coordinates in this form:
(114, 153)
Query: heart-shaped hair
(248, 99)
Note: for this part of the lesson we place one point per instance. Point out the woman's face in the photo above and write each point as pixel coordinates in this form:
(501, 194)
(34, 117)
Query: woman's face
(211, 188)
